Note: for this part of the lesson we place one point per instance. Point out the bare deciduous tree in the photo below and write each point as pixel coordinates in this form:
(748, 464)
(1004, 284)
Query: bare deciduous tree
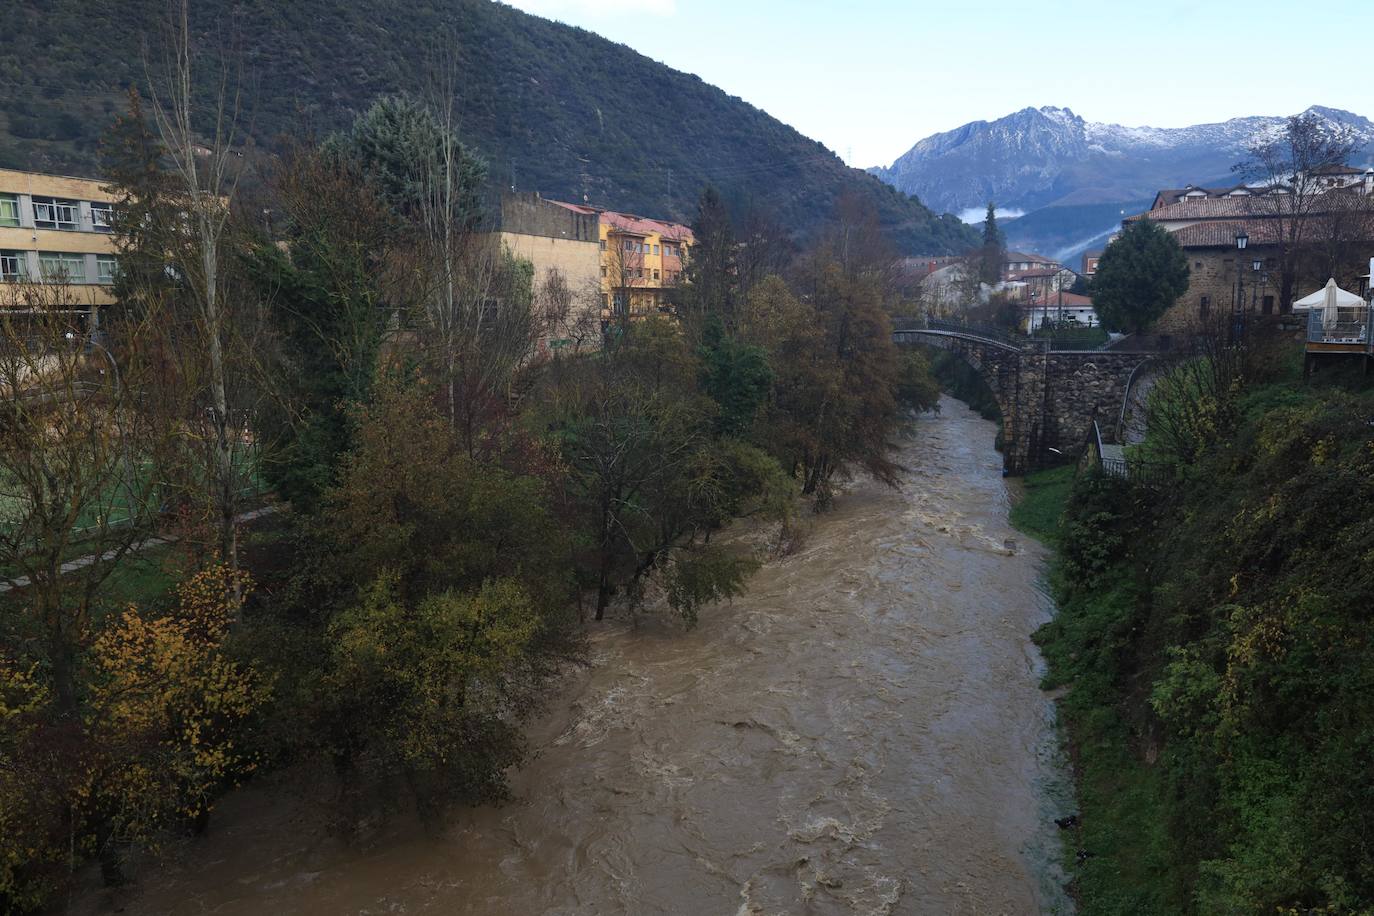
(198, 239)
(1289, 167)
(74, 479)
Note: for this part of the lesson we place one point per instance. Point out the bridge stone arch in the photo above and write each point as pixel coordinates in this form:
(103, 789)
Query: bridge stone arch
(1048, 398)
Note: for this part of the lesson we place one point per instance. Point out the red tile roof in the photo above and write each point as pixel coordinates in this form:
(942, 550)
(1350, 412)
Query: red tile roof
(1037, 274)
(634, 225)
(1208, 208)
(1052, 301)
(1222, 234)
(643, 225)
(1337, 170)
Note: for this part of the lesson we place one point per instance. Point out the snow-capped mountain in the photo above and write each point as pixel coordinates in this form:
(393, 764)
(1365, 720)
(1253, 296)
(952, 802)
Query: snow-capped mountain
(1042, 158)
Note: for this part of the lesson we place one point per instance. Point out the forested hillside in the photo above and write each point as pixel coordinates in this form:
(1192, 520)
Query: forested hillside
(551, 107)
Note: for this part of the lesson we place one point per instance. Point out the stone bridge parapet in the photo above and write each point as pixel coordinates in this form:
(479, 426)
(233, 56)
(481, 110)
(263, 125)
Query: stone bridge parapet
(1048, 398)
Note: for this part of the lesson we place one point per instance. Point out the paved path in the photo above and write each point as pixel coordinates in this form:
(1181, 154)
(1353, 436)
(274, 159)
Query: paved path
(82, 562)
(1135, 427)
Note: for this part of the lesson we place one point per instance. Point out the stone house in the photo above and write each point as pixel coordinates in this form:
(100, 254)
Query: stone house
(1223, 278)
(1037, 285)
(1018, 261)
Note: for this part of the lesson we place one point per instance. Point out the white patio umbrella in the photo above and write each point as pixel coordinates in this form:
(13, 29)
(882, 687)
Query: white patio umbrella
(1328, 299)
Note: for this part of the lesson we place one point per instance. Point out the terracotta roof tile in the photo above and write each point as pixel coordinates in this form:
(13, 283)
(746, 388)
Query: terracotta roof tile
(1035, 274)
(632, 224)
(1222, 234)
(1071, 300)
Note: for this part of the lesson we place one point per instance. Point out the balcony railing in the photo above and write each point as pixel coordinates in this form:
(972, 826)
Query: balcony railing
(1345, 326)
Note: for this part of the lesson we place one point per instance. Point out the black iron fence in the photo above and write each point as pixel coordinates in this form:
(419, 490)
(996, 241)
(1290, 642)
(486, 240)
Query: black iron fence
(1112, 461)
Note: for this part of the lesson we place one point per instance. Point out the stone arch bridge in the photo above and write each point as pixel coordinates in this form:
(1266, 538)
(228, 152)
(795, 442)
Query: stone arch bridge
(1048, 398)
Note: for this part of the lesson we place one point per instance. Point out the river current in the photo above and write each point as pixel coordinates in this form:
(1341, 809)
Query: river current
(861, 732)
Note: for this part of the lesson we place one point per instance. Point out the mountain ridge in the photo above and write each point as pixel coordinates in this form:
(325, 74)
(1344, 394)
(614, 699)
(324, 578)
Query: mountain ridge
(552, 107)
(1041, 158)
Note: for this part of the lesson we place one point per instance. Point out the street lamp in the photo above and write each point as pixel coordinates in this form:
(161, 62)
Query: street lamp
(1242, 241)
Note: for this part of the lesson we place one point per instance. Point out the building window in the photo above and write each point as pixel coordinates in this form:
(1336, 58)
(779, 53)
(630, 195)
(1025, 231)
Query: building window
(629, 245)
(102, 217)
(655, 249)
(655, 275)
(12, 265)
(57, 267)
(1268, 305)
(1204, 306)
(105, 267)
(54, 213)
(603, 270)
(9, 210)
(603, 244)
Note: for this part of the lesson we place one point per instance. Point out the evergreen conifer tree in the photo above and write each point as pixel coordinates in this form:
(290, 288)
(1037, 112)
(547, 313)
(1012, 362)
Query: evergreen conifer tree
(1140, 275)
(994, 248)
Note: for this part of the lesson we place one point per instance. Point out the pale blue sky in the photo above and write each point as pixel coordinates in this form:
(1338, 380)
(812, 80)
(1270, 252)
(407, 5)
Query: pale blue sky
(871, 77)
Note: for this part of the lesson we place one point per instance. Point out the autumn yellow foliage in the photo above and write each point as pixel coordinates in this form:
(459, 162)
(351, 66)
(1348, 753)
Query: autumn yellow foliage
(158, 737)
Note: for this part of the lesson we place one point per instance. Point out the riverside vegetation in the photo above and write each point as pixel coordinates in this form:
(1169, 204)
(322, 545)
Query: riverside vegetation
(1213, 646)
(460, 504)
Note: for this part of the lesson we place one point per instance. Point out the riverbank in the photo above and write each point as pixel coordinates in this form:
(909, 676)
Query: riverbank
(1211, 655)
(862, 731)
(1113, 850)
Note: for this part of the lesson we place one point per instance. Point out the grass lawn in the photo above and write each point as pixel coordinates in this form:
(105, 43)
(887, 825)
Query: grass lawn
(1046, 494)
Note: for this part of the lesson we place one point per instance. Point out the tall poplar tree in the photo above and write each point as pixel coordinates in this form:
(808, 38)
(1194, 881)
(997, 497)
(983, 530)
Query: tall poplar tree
(994, 248)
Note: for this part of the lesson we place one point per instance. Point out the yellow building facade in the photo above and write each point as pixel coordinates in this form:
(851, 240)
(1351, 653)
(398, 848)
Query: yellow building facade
(558, 242)
(641, 260)
(55, 230)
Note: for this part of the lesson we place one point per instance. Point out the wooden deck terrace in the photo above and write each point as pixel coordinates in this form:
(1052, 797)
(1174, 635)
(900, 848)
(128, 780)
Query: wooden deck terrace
(1351, 334)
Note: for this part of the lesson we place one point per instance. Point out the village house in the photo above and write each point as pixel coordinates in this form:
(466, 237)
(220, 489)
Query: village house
(1032, 286)
(1017, 262)
(1235, 238)
(1061, 309)
(642, 260)
(614, 265)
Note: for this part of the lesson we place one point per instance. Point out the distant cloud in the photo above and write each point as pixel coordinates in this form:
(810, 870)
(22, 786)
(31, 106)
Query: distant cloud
(558, 9)
(977, 214)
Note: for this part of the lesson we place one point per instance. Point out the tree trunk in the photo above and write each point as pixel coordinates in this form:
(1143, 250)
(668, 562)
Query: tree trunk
(603, 594)
(224, 454)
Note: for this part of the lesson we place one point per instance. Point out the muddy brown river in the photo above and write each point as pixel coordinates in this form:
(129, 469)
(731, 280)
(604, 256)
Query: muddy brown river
(862, 732)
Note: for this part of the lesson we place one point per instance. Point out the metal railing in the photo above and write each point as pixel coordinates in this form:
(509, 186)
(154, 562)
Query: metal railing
(1001, 335)
(1352, 324)
(976, 329)
(1113, 462)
